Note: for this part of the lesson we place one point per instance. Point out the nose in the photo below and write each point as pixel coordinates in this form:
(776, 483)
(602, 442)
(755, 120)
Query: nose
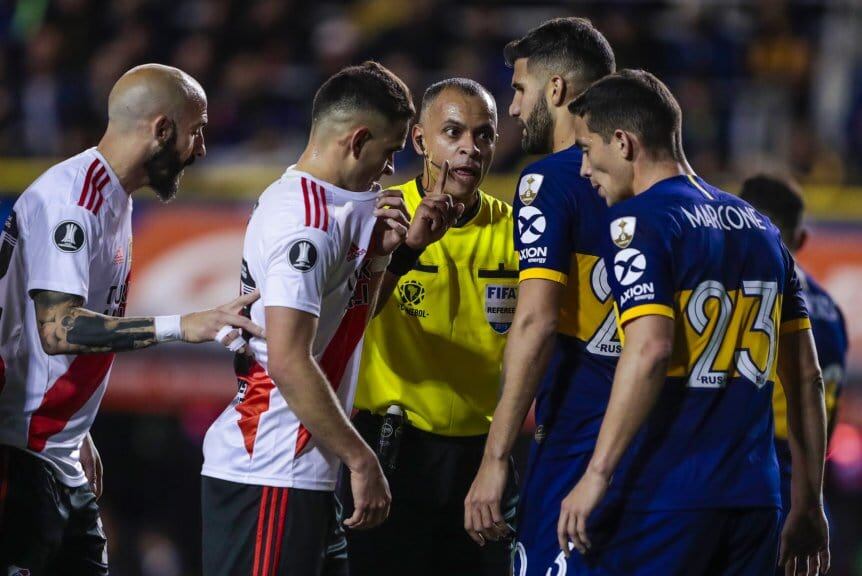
(586, 170)
(515, 106)
(469, 146)
(200, 147)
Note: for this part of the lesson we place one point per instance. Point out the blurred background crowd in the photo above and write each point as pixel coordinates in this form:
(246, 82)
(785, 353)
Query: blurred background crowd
(764, 84)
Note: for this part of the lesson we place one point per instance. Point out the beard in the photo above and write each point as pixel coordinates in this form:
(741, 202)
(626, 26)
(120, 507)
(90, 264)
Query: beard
(537, 130)
(164, 168)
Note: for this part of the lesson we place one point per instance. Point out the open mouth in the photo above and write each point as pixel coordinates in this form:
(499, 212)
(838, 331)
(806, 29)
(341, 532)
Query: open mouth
(465, 173)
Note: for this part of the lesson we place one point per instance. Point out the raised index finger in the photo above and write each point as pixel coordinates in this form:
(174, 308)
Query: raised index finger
(441, 179)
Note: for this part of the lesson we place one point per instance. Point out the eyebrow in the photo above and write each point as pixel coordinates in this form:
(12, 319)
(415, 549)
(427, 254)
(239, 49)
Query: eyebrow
(452, 122)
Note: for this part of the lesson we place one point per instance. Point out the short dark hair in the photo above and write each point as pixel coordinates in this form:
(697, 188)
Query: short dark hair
(778, 197)
(565, 46)
(634, 101)
(368, 86)
(463, 85)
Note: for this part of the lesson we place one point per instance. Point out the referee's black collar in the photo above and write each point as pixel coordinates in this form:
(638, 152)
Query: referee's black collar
(465, 217)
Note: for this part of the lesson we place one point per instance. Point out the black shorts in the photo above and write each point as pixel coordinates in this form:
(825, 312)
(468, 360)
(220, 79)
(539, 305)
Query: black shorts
(424, 534)
(47, 527)
(264, 531)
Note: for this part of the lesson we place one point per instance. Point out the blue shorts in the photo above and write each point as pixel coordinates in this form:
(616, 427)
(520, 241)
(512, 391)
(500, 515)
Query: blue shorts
(549, 477)
(716, 542)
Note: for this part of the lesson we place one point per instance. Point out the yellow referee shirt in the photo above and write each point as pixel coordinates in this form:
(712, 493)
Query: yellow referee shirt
(436, 348)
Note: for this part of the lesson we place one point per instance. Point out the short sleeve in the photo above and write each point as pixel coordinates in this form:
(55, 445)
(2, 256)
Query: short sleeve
(638, 255)
(57, 247)
(545, 225)
(794, 312)
(296, 268)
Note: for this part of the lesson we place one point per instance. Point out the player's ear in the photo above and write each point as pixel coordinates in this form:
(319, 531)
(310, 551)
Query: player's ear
(163, 128)
(359, 139)
(417, 136)
(624, 143)
(801, 237)
(557, 91)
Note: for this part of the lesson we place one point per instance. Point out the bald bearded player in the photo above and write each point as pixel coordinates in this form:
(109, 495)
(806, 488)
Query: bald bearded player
(65, 260)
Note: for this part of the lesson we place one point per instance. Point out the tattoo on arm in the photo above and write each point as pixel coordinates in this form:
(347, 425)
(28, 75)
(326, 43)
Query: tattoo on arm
(67, 328)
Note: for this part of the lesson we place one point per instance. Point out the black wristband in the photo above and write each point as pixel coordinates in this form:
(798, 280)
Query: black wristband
(403, 260)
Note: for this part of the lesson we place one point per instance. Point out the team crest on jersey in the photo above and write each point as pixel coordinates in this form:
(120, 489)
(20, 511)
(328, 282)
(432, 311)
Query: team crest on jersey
(302, 255)
(69, 236)
(528, 187)
(412, 293)
(623, 230)
(500, 306)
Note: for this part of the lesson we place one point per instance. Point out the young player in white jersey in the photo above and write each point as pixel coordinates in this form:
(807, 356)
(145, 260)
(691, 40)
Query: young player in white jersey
(65, 261)
(316, 247)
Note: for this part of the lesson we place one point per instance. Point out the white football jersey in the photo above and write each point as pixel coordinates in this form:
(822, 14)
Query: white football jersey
(71, 232)
(305, 248)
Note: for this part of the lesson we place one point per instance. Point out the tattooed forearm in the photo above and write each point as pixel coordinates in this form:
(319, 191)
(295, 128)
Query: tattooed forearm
(107, 333)
(66, 328)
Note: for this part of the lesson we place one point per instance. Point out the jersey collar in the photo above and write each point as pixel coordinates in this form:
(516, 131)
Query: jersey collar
(466, 217)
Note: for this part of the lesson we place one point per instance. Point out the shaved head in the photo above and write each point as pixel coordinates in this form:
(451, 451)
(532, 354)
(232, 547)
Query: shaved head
(151, 90)
(156, 117)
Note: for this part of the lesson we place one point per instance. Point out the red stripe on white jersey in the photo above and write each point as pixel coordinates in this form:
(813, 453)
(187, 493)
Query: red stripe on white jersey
(325, 208)
(338, 353)
(68, 395)
(86, 189)
(100, 179)
(317, 209)
(98, 204)
(254, 404)
(100, 173)
(307, 202)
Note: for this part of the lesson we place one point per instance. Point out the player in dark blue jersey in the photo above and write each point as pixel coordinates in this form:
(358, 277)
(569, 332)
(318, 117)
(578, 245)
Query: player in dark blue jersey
(684, 478)
(781, 200)
(564, 331)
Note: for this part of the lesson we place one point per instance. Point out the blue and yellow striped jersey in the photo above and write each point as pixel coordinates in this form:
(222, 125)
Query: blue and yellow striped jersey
(559, 230)
(708, 260)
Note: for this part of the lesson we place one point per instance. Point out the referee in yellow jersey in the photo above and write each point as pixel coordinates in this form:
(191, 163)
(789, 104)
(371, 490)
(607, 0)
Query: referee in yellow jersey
(435, 350)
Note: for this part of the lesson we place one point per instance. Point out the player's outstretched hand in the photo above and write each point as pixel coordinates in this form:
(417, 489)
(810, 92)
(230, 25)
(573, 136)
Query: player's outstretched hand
(371, 497)
(203, 326)
(576, 509)
(434, 215)
(805, 542)
(92, 464)
(483, 520)
(392, 223)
